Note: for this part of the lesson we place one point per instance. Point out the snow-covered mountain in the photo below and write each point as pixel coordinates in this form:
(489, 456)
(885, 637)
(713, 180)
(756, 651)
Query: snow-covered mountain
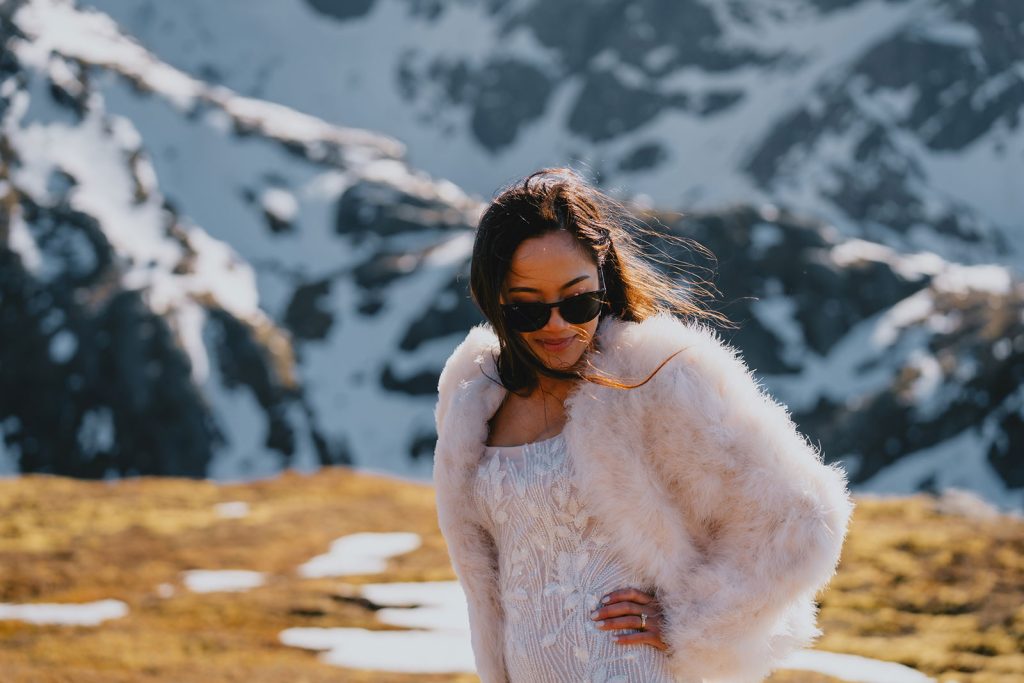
(895, 120)
(196, 280)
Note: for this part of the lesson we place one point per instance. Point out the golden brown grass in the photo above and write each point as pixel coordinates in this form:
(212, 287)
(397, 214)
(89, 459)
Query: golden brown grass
(942, 593)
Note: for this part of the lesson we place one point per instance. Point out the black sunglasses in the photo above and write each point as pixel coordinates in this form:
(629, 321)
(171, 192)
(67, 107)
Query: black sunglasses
(530, 316)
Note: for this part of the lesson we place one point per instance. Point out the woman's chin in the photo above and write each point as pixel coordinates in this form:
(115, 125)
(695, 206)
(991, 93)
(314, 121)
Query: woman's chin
(559, 361)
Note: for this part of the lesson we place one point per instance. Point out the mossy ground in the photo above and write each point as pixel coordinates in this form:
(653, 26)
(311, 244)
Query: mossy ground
(942, 593)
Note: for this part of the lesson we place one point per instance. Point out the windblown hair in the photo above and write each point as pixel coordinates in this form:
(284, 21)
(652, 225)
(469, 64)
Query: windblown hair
(553, 199)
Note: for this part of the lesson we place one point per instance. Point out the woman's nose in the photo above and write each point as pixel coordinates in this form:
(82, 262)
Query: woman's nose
(555, 320)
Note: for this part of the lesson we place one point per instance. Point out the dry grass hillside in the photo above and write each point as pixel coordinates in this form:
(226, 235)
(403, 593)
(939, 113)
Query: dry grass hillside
(921, 581)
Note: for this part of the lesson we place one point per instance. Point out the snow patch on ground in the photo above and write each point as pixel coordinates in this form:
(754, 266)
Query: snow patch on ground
(357, 648)
(81, 614)
(216, 580)
(853, 668)
(361, 553)
(438, 607)
(234, 509)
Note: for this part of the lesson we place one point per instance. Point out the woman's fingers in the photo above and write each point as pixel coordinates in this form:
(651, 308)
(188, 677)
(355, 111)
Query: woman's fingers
(622, 611)
(633, 594)
(618, 609)
(644, 637)
(620, 622)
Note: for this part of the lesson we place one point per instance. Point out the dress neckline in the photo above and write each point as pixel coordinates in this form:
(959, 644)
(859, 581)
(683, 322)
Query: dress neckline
(523, 445)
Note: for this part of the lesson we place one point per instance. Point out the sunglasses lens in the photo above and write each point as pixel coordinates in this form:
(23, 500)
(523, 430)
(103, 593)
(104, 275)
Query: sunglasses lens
(527, 317)
(581, 308)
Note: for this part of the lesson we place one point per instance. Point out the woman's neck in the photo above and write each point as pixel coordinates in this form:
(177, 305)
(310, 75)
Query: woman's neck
(550, 389)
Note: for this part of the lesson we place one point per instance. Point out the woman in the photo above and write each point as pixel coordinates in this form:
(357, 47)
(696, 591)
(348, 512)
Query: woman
(620, 500)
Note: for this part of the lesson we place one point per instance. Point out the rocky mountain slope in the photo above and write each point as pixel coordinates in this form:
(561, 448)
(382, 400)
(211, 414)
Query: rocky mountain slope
(199, 282)
(896, 120)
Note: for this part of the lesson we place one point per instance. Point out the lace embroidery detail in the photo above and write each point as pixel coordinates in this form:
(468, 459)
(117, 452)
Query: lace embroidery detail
(554, 564)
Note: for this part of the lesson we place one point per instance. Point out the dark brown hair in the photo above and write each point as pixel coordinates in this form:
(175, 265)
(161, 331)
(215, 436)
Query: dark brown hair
(553, 199)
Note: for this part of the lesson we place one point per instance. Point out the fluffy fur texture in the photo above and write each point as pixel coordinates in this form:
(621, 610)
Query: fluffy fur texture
(699, 477)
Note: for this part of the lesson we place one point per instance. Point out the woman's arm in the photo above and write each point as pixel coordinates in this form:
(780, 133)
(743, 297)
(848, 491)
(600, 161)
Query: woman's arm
(772, 515)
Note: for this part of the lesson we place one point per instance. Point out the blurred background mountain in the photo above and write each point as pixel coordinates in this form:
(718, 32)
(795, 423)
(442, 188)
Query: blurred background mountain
(234, 236)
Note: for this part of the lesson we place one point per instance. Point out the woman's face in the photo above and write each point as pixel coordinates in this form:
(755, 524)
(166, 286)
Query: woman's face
(550, 268)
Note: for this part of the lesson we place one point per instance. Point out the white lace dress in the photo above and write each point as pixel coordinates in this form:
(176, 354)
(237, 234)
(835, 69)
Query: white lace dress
(555, 565)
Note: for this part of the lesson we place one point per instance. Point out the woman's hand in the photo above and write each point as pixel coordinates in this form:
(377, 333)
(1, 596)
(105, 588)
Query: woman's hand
(623, 609)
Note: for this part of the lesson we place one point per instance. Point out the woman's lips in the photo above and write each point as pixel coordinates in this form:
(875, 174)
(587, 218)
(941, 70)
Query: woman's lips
(559, 346)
